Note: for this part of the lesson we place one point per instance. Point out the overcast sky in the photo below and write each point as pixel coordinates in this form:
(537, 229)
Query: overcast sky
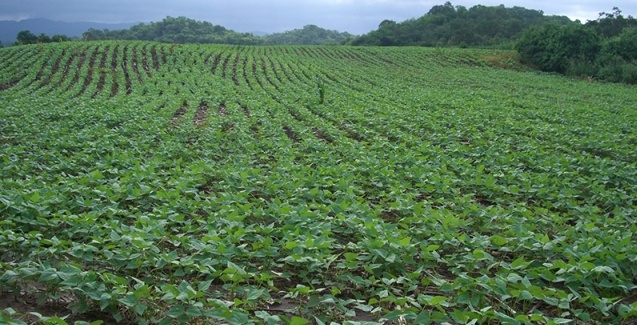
(354, 16)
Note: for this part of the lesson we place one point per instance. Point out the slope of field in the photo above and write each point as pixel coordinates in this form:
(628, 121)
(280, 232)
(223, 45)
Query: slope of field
(144, 182)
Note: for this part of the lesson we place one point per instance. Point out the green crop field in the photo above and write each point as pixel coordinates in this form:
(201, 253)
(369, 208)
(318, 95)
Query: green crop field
(207, 184)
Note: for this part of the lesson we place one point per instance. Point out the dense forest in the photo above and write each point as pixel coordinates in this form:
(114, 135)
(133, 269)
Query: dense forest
(446, 25)
(184, 30)
(605, 48)
(309, 35)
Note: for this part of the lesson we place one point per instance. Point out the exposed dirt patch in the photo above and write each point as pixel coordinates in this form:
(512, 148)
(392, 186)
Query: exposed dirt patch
(234, 70)
(115, 85)
(222, 111)
(26, 303)
(295, 115)
(89, 76)
(102, 71)
(76, 77)
(163, 56)
(54, 69)
(136, 66)
(215, 64)
(245, 73)
(264, 70)
(351, 134)
(321, 135)
(246, 112)
(179, 113)
(9, 84)
(67, 67)
(201, 114)
(291, 134)
(155, 58)
(129, 84)
(274, 69)
(225, 65)
(145, 61)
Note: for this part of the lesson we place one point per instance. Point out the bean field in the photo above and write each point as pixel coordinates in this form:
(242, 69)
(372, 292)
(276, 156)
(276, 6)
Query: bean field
(209, 184)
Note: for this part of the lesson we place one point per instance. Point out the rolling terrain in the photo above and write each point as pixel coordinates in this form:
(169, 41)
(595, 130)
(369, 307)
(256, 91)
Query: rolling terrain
(147, 182)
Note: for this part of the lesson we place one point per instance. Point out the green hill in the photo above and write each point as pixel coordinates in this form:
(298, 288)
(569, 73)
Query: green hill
(446, 25)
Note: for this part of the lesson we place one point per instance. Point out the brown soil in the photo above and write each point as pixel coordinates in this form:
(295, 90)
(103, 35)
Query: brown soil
(102, 72)
(129, 84)
(319, 134)
(215, 64)
(145, 62)
(225, 65)
(9, 85)
(201, 114)
(222, 110)
(24, 304)
(115, 85)
(291, 134)
(179, 113)
(246, 112)
(135, 66)
(153, 53)
(89, 76)
(245, 73)
(234, 70)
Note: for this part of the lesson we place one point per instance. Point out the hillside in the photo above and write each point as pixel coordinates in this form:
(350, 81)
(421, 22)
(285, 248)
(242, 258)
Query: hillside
(446, 25)
(146, 182)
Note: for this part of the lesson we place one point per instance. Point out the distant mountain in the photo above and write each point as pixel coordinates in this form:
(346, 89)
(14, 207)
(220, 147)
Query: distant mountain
(9, 29)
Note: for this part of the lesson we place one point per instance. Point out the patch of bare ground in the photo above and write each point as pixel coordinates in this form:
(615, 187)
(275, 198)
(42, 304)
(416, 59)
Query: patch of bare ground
(115, 85)
(179, 113)
(505, 60)
(215, 63)
(89, 76)
(295, 115)
(24, 304)
(234, 70)
(222, 110)
(245, 73)
(76, 76)
(291, 134)
(321, 135)
(225, 66)
(201, 114)
(67, 67)
(102, 71)
(155, 58)
(351, 133)
(136, 66)
(246, 112)
(9, 85)
(145, 62)
(163, 56)
(129, 84)
(54, 70)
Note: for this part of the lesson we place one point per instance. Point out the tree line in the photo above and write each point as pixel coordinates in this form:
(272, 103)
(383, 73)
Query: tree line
(446, 25)
(605, 48)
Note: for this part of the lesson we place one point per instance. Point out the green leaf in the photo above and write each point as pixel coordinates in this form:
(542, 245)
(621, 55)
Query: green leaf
(405, 241)
(204, 285)
(298, 321)
(176, 311)
(129, 301)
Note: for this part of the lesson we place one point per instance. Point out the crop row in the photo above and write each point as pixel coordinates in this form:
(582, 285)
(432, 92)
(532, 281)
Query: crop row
(162, 183)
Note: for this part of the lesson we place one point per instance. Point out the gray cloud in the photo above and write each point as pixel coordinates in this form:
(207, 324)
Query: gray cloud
(355, 16)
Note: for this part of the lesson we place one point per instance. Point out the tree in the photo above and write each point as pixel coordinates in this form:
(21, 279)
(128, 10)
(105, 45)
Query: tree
(554, 48)
(26, 37)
